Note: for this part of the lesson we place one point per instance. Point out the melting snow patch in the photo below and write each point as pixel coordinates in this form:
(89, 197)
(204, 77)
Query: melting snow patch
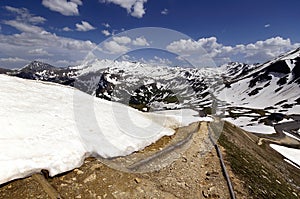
(290, 135)
(260, 128)
(290, 162)
(289, 153)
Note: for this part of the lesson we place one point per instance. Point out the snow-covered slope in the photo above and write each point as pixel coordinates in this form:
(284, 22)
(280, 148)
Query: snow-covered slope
(149, 87)
(272, 87)
(53, 127)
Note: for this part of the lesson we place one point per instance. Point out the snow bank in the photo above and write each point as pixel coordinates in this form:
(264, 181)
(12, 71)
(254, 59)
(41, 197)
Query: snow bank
(289, 153)
(246, 124)
(53, 127)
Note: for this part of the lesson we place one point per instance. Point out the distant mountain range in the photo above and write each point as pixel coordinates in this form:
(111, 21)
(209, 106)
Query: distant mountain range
(273, 85)
(158, 87)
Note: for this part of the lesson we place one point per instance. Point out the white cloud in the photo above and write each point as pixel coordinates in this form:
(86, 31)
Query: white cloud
(23, 27)
(165, 11)
(267, 25)
(134, 7)
(161, 61)
(114, 47)
(35, 43)
(122, 40)
(189, 46)
(205, 49)
(64, 7)
(67, 29)
(24, 15)
(268, 49)
(12, 62)
(125, 58)
(105, 32)
(106, 25)
(24, 46)
(138, 9)
(84, 26)
(140, 41)
(13, 59)
(121, 44)
(39, 51)
(24, 21)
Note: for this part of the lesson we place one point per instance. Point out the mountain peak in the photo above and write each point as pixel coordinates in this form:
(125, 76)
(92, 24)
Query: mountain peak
(37, 66)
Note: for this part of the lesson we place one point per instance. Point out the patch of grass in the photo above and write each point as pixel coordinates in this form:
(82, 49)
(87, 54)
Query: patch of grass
(260, 181)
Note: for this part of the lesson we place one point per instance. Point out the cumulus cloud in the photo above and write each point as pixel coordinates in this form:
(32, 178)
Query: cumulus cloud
(24, 15)
(64, 7)
(165, 11)
(267, 25)
(106, 32)
(114, 47)
(265, 50)
(207, 50)
(35, 43)
(39, 51)
(84, 26)
(24, 21)
(140, 41)
(23, 27)
(122, 40)
(67, 29)
(134, 7)
(31, 46)
(13, 59)
(106, 25)
(121, 44)
(161, 61)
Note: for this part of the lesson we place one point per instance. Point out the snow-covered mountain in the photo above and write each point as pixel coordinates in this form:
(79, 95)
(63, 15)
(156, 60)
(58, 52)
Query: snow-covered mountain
(45, 72)
(261, 91)
(272, 85)
(148, 87)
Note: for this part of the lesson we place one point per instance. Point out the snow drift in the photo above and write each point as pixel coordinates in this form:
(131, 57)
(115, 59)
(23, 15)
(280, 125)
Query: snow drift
(50, 126)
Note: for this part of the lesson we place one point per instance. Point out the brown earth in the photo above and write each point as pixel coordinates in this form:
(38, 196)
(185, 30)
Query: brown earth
(194, 174)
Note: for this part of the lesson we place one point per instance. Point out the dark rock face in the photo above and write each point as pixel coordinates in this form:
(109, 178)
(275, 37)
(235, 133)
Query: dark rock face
(105, 88)
(237, 70)
(259, 78)
(37, 66)
(4, 71)
(296, 71)
(279, 67)
(147, 94)
(276, 117)
(286, 69)
(255, 91)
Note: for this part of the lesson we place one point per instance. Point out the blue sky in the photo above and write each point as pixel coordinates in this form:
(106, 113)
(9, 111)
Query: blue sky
(63, 32)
